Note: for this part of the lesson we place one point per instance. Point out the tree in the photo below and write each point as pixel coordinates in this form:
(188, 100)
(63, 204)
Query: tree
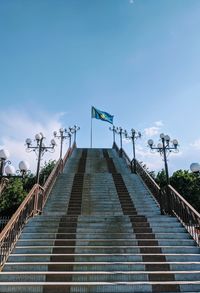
(17, 189)
(161, 178)
(186, 183)
(11, 197)
(46, 171)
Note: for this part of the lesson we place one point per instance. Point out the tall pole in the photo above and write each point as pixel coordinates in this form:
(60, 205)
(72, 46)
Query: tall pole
(39, 158)
(120, 133)
(1, 167)
(134, 162)
(61, 144)
(70, 140)
(113, 135)
(165, 161)
(91, 134)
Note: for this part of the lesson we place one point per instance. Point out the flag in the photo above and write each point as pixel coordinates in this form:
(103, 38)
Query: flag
(104, 116)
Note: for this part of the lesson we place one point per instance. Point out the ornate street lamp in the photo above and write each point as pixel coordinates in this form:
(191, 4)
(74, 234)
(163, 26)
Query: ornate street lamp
(39, 149)
(164, 149)
(73, 130)
(121, 132)
(133, 136)
(113, 129)
(7, 170)
(62, 136)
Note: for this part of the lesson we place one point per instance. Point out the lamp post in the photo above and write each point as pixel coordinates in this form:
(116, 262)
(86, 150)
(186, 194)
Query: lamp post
(113, 129)
(120, 131)
(61, 135)
(164, 149)
(73, 130)
(133, 136)
(7, 170)
(39, 149)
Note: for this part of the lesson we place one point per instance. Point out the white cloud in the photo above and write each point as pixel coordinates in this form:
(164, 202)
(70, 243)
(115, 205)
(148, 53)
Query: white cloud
(154, 129)
(196, 144)
(159, 123)
(151, 131)
(16, 129)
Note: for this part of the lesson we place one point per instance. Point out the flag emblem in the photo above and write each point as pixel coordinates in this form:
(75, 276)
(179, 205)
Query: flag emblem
(104, 116)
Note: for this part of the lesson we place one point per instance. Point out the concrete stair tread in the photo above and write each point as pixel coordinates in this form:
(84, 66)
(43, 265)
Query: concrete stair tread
(103, 262)
(99, 272)
(99, 283)
(104, 254)
(104, 239)
(104, 246)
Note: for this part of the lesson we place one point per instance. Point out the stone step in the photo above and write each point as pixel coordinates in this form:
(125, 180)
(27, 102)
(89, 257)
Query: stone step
(103, 224)
(102, 242)
(100, 235)
(99, 276)
(96, 219)
(101, 266)
(123, 257)
(106, 287)
(104, 249)
(98, 230)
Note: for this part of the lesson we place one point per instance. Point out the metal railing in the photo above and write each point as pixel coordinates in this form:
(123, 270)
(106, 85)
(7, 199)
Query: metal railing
(169, 200)
(3, 222)
(186, 214)
(12, 230)
(31, 206)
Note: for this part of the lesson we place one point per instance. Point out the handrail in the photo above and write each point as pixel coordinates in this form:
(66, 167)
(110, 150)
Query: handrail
(186, 214)
(170, 201)
(31, 205)
(12, 230)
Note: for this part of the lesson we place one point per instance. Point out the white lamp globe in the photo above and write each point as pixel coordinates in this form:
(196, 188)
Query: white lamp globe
(38, 136)
(10, 170)
(175, 142)
(150, 142)
(4, 154)
(159, 145)
(28, 141)
(195, 167)
(167, 137)
(53, 142)
(162, 135)
(23, 166)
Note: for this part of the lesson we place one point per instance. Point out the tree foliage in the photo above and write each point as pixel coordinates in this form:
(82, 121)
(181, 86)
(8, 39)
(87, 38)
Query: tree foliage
(11, 197)
(17, 189)
(186, 183)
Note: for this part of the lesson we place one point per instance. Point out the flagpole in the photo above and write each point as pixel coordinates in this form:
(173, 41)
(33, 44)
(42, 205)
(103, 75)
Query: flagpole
(91, 132)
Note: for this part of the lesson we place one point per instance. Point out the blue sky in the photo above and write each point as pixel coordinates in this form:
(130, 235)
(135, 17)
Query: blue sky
(138, 60)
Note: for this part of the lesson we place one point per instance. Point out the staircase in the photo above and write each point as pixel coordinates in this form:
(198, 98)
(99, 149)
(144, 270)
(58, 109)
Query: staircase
(101, 231)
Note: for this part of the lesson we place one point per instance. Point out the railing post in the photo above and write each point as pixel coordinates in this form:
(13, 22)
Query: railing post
(161, 202)
(36, 200)
(167, 200)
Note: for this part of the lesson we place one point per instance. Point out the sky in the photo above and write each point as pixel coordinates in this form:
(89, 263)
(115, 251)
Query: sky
(138, 60)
